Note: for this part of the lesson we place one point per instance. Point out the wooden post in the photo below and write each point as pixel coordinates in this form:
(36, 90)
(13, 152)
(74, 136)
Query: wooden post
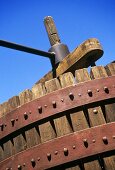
(51, 30)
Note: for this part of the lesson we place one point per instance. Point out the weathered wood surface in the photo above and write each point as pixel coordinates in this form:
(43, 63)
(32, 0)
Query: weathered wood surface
(83, 56)
(51, 30)
(76, 120)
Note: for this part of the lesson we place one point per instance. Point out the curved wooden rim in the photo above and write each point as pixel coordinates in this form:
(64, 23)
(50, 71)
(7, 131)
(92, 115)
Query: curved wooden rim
(68, 148)
(57, 102)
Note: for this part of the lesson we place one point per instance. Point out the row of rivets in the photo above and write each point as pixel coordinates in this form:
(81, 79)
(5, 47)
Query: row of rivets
(71, 96)
(65, 151)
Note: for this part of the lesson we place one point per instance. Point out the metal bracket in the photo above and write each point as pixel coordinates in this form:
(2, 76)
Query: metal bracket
(56, 103)
(78, 145)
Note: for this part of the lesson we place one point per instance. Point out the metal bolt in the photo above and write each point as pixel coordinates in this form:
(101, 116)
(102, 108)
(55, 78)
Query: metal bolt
(33, 162)
(19, 167)
(106, 89)
(105, 140)
(2, 127)
(62, 100)
(74, 146)
(89, 93)
(85, 143)
(79, 94)
(45, 105)
(40, 109)
(54, 104)
(97, 90)
(38, 158)
(95, 111)
(12, 121)
(113, 137)
(71, 96)
(56, 152)
(49, 156)
(25, 116)
(93, 140)
(65, 151)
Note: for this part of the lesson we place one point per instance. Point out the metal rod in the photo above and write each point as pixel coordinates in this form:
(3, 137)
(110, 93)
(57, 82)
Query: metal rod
(26, 49)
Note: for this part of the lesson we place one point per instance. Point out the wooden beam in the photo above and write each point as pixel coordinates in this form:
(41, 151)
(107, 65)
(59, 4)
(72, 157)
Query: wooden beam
(83, 56)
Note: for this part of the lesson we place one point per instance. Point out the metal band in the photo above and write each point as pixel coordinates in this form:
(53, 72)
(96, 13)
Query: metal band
(53, 104)
(68, 148)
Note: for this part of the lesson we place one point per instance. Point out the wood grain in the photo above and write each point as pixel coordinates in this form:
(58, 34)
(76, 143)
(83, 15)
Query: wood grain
(81, 76)
(83, 56)
(98, 72)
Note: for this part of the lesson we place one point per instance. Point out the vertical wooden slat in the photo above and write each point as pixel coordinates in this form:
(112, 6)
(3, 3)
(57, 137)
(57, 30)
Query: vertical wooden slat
(46, 129)
(61, 124)
(98, 72)
(8, 147)
(32, 135)
(81, 76)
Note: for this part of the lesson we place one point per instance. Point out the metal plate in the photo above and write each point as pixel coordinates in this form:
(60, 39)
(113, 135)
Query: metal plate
(57, 102)
(68, 148)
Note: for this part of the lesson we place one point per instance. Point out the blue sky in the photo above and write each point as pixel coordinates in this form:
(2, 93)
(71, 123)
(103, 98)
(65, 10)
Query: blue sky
(21, 21)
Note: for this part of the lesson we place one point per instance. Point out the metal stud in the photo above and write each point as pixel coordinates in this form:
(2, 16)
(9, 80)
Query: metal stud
(12, 121)
(79, 94)
(85, 143)
(54, 104)
(105, 140)
(93, 140)
(71, 96)
(33, 162)
(89, 93)
(7, 168)
(65, 151)
(62, 100)
(97, 90)
(95, 111)
(73, 146)
(19, 167)
(40, 109)
(113, 137)
(25, 116)
(106, 89)
(38, 158)
(56, 152)
(2, 127)
(45, 105)
(49, 156)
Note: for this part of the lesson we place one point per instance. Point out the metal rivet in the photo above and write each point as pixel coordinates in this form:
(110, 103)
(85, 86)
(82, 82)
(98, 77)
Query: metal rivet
(105, 140)
(24, 164)
(30, 112)
(38, 158)
(73, 146)
(45, 105)
(49, 156)
(113, 137)
(79, 94)
(2, 127)
(19, 167)
(85, 142)
(33, 162)
(40, 109)
(89, 93)
(93, 140)
(7, 168)
(16, 119)
(95, 111)
(25, 116)
(71, 96)
(65, 151)
(56, 152)
(97, 90)
(106, 89)
(54, 104)
(12, 121)
(62, 100)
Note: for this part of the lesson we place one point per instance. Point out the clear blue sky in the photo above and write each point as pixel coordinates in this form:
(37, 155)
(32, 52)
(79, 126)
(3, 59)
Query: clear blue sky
(21, 21)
